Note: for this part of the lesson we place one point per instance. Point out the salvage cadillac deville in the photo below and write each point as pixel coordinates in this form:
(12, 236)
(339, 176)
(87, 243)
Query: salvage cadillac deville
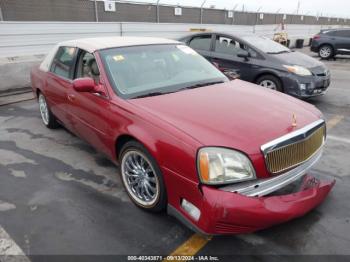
(222, 156)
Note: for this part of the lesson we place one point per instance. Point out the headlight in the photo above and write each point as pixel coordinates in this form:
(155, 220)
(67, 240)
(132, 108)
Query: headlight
(298, 70)
(222, 166)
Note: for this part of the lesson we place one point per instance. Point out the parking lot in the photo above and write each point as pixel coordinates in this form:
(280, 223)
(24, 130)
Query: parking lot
(58, 196)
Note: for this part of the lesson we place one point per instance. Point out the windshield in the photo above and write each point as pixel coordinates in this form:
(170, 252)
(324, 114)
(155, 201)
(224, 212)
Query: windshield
(266, 45)
(157, 69)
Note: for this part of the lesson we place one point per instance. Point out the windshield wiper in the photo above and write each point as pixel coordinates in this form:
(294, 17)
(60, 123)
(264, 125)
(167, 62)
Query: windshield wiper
(280, 52)
(183, 88)
(150, 94)
(201, 85)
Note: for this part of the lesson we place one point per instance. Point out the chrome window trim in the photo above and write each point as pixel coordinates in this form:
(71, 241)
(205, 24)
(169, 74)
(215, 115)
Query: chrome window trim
(262, 187)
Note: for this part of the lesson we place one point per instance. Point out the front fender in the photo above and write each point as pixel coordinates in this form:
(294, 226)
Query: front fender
(168, 150)
(269, 71)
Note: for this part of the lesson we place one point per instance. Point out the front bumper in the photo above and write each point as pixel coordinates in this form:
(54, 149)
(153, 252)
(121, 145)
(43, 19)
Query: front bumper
(225, 212)
(250, 206)
(232, 213)
(305, 86)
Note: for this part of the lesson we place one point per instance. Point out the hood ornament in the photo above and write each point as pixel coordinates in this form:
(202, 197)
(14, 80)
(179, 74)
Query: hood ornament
(294, 120)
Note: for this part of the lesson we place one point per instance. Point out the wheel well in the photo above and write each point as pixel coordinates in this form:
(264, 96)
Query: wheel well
(120, 142)
(269, 74)
(326, 44)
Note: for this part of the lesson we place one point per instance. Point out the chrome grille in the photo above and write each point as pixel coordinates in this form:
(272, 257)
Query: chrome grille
(295, 151)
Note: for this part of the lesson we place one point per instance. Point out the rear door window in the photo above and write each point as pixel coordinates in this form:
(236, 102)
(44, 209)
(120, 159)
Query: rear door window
(202, 42)
(225, 45)
(63, 62)
(229, 46)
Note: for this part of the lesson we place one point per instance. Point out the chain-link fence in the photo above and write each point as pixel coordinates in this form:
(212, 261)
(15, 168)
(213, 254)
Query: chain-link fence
(123, 11)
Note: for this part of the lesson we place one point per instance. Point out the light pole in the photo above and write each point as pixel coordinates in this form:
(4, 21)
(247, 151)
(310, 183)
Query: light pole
(158, 11)
(96, 11)
(233, 12)
(298, 7)
(1, 16)
(306, 15)
(202, 10)
(277, 15)
(257, 13)
(256, 18)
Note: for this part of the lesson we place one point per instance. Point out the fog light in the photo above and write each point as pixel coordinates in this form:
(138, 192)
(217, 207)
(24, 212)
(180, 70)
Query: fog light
(191, 209)
(302, 86)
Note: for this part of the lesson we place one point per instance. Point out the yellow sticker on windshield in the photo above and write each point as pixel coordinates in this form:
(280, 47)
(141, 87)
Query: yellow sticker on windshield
(118, 58)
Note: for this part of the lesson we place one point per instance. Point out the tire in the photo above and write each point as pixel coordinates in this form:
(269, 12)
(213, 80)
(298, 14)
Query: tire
(271, 82)
(142, 177)
(47, 117)
(326, 52)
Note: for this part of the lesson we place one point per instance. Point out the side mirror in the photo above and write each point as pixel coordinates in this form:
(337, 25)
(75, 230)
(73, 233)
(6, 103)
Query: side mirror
(85, 84)
(244, 54)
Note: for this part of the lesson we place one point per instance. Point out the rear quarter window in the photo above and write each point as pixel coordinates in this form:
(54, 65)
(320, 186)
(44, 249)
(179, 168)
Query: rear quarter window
(63, 62)
(331, 33)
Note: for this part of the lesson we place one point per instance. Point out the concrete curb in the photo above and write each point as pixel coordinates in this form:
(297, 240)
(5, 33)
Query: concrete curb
(15, 73)
(15, 98)
(15, 91)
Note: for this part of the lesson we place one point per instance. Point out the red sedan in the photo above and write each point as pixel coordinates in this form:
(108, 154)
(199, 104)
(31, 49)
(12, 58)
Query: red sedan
(222, 156)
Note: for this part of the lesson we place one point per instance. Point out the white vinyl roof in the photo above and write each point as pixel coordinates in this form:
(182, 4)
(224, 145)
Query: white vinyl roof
(92, 44)
(97, 43)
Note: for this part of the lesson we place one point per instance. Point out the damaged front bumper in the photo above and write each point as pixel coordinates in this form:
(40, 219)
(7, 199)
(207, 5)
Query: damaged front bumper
(233, 213)
(258, 204)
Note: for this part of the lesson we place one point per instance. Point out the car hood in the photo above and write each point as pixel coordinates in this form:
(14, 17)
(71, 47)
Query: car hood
(297, 58)
(234, 114)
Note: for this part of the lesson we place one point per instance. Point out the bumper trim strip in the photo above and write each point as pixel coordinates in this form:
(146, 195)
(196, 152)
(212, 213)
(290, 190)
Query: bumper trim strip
(262, 187)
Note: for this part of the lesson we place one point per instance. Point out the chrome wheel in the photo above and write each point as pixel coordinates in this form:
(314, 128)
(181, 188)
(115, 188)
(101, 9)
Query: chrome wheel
(325, 51)
(140, 178)
(268, 84)
(44, 111)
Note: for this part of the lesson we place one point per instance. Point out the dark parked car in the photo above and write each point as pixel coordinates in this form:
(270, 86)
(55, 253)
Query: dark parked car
(331, 42)
(262, 61)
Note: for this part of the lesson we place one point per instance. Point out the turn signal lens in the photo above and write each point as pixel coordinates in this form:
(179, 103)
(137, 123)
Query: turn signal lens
(204, 166)
(191, 209)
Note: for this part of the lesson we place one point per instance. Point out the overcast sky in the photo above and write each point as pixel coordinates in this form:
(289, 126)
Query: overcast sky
(339, 8)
